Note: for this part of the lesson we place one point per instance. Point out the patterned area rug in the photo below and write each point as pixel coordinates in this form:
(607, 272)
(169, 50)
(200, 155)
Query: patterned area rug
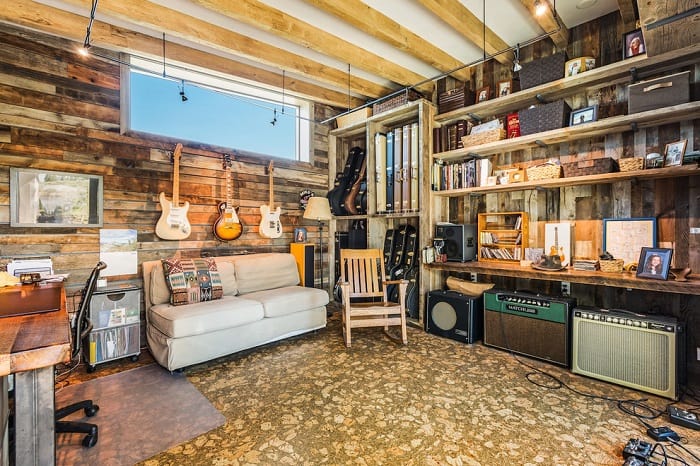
(311, 401)
(142, 412)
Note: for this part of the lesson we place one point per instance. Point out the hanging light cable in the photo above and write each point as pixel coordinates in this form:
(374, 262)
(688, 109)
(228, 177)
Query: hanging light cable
(86, 43)
(282, 92)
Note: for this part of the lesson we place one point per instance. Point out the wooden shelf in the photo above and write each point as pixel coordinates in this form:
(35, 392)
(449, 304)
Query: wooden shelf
(605, 178)
(618, 280)
(614, 73)
(603, 127)
(390, 117)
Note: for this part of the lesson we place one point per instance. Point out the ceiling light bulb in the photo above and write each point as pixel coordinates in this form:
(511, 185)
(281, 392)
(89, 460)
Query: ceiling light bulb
(517, 66)
(83, 51)
(540, 8)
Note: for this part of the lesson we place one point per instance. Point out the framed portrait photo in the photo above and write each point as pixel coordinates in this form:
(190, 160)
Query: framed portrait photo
(654, 263)
(504, 87)
(483, 94)
(634, 44)
(300, 235)
(674, 153)
(583, 115)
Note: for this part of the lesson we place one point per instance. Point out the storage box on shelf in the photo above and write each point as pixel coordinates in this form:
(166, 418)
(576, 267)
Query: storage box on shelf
(553, 115)
(503, 236)
(665, 91)
(455, 98)
(589, 167)
(543, 70)
(631, 164)
(353, 117)
(389, 103)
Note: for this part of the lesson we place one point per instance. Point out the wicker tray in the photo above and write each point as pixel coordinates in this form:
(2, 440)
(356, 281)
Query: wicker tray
(631, 164)
(613, 265)
(483, 137)
(395, 101)
(589, 167)
(546, 171)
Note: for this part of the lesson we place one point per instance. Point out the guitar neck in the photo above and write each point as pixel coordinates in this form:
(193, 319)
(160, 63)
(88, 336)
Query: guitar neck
(272, 190)
(176, 175)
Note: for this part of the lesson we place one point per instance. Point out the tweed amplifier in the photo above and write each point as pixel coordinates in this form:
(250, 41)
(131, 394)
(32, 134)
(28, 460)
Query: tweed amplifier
(529, 324)
(642, 352)
(455, 315)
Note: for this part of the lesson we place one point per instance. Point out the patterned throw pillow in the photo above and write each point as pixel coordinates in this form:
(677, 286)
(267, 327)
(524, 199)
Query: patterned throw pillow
(192, 280)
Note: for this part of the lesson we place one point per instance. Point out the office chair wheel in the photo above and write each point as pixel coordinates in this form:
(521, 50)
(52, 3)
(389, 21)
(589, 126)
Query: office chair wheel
(91, 410)
(135, 358)
(90, 368)
(90, 440)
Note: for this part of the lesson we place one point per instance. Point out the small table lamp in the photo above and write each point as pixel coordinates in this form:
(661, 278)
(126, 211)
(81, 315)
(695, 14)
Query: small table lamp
(319, 209)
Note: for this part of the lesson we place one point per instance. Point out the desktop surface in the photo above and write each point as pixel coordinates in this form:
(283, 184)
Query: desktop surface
(29, 299)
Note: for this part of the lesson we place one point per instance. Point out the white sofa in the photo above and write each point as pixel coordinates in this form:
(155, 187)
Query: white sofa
(262, 302)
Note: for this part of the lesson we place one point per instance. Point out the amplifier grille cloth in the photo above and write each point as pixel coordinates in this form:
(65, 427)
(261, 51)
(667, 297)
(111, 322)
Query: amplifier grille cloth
(632, 355)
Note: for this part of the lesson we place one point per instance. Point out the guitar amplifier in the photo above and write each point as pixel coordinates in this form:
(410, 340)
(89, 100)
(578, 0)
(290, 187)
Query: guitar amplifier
(455, 315)
(304, 255)
(642, 352)
(460, 241)
(529, 324)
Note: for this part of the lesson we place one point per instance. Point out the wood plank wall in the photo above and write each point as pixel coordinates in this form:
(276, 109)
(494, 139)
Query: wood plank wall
(673, 202)
(59, 111)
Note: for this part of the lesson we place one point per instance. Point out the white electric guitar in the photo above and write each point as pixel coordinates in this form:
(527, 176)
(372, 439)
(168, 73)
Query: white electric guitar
(270, 226)
(173, 223)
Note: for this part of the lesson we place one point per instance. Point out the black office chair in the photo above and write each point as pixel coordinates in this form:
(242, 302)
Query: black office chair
(80, 331)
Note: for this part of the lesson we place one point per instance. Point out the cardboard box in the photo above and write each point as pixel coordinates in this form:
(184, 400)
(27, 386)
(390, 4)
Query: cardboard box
(354, 117)
(660, 92)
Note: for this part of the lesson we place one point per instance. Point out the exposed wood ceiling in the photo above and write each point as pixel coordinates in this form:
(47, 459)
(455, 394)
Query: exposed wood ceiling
(385, 44)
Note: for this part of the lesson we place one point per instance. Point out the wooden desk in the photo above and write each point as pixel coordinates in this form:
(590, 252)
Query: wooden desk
(33, 344)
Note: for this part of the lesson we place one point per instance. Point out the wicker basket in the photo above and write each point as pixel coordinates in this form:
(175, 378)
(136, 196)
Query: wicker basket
(543, 70)
(631, 164)
(395, 101)
(545, 171)
(589, 167)
(553, 115)
(483, 137)
(613, 265)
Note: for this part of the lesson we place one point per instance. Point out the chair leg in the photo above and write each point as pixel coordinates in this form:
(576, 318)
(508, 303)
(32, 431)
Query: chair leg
(346, 329)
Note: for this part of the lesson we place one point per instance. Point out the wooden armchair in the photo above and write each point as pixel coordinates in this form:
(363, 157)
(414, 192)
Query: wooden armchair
(365, 303)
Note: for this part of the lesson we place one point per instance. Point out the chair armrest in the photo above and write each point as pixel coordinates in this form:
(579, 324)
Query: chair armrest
(394, 282)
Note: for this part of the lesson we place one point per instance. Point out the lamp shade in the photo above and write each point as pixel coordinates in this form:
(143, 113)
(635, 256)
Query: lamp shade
(318, 208)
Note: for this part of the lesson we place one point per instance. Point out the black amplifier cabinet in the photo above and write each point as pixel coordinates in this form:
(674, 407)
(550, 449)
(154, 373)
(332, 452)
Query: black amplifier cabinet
(529, 324)
(643, 352)
(460, 241)
(455, 315)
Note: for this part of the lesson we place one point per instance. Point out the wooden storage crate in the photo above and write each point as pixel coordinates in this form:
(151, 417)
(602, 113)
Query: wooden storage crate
(542, 71)
(454, 99)
(545, 117)
(353, 117)
(396, 101)
(589, 167)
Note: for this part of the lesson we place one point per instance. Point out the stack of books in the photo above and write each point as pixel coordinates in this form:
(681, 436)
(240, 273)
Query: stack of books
(586, 264)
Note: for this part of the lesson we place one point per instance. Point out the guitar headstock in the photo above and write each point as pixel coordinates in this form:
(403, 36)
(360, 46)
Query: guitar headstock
(226, 161)
(268, 170)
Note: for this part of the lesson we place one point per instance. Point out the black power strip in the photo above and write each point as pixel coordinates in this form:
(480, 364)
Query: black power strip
(683, 418)
(663, 434)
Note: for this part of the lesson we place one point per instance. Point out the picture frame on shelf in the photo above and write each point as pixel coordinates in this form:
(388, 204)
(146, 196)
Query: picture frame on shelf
(504, 87)
(300, 235)
(634, 44)
(674, 152)
(51, 199)
(624, 238)
(654, 263)
(483, 94)
(583, 115)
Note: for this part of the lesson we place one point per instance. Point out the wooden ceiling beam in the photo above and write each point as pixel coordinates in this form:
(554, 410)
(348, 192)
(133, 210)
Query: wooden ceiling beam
(459, 18)
(629, 18)
(26, 13)
(548, 23)
(279, 23)
(153, 16)
(375, 23)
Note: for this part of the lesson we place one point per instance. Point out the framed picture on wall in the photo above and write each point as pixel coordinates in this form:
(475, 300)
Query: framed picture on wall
(42, 198)
(583, 115)
(483, 94)
(504, 87)
(634, 44)
(654, 263)
(624, 238)
(300, 235)
(674, 153)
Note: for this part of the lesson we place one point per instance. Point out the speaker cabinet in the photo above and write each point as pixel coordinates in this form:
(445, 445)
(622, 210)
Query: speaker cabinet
(529, 324)
(460, 241)
(645, 353)
(304, 255)
(454, 315)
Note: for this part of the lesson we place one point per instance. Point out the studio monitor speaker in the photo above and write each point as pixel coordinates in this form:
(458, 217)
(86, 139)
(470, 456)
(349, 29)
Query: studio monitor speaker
(454, 315)
(642, 352)
(460, 241)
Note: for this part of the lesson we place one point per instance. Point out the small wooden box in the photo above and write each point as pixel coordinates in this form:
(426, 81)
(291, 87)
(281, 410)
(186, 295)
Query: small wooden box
(354, 117)
(454, 99)
(660, 92)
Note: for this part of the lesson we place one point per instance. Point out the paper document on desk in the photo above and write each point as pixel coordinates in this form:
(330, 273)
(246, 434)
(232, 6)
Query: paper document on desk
(41, 265)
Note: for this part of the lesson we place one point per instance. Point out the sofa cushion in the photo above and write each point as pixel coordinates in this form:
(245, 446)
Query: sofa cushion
(227, 273)
(256, 272)
(289, 299)
(159, 291)
(192, 280)
(204, 317)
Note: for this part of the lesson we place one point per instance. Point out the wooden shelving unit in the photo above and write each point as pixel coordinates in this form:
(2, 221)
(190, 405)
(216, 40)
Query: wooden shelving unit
(502, 236)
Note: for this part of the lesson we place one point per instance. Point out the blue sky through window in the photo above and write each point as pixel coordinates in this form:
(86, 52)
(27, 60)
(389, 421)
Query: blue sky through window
(211, 117)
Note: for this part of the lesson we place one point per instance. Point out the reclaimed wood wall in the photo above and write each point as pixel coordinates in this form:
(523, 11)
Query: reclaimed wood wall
(673, 202)
(59, 111)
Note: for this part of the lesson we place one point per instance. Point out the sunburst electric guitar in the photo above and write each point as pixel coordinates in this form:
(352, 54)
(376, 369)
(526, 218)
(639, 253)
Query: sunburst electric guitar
(227, 227)
(270, 226)
(173, 223)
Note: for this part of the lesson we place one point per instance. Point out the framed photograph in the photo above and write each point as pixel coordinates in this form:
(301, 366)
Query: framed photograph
(654, 263)
(674, 153)
(300, 235)
(575, 66)
(504, 87)
(483, 94)
(42, 198)
(624, 238)
(634, 44)
(583, 115)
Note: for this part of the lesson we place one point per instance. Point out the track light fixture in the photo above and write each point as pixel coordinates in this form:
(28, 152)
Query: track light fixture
(183, 97)
(516, 61)
(84, 51)
(274, 117)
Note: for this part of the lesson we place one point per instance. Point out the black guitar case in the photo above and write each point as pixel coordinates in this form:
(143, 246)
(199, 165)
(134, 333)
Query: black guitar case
(344, 181)
(356, 238)
(407, 261)
(396, 267)
(389, 241)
